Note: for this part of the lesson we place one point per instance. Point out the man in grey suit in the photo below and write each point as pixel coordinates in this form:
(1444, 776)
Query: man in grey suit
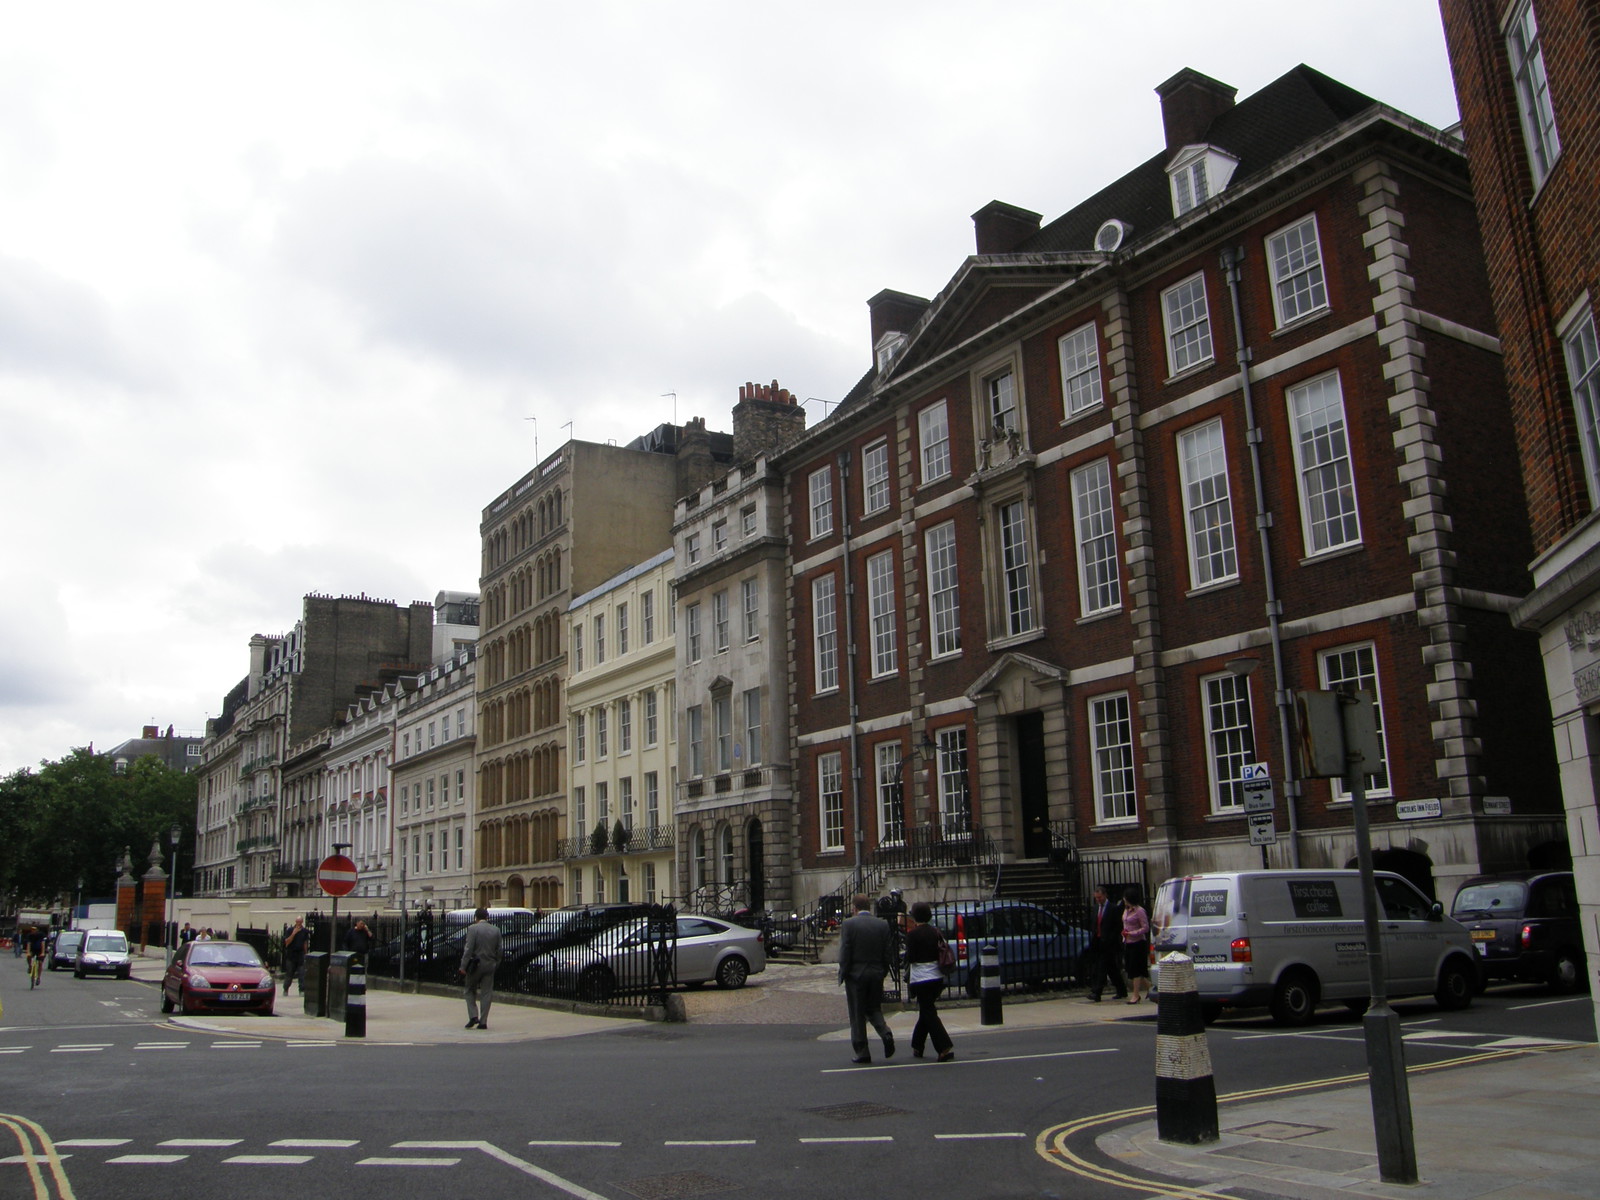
(480, 956)
(865, 944)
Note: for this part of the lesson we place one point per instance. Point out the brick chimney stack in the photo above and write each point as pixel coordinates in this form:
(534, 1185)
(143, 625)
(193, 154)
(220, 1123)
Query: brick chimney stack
(1002, 227)
(766, 419)
(894, 312)
(1190, 102)
(695, 463)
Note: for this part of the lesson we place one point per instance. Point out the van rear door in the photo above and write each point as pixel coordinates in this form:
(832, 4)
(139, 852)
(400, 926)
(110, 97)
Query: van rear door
(1196, 915)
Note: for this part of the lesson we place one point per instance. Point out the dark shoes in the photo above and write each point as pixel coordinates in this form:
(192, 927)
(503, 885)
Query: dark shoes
(471, 1025)
(888, 1047)
(483, 1024)
(947, 1056)
(862, 1058)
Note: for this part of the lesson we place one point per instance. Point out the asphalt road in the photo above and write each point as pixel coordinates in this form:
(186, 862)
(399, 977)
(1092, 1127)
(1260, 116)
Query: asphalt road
(141, 1108)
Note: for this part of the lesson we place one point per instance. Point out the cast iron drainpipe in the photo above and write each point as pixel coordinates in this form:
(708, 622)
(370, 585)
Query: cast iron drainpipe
(850, 664)
(1232, 257)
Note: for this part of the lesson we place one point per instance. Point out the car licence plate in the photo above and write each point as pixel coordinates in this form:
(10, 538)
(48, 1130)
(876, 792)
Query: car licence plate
(1483, 935)
(236, 997)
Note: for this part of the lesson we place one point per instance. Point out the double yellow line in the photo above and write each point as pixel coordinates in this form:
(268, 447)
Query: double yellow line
(38, 1154)
(1053, 1145)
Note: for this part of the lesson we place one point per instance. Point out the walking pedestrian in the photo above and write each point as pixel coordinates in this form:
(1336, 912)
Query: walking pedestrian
(1135, 945)
(480, 956)
(1104, 958)
(926, 980)
(295, 943)
(865, 945)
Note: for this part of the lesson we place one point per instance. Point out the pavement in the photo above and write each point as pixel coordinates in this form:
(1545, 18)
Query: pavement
(1516, 1123)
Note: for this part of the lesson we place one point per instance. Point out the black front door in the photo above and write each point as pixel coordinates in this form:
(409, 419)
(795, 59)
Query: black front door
(1033, 796)
(755, 865)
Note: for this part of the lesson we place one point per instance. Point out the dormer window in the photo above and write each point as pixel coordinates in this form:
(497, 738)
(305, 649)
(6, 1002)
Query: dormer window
(1197, 174)
(889, 345)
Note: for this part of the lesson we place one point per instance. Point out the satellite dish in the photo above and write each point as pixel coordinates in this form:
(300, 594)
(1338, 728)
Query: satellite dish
(1110, 235)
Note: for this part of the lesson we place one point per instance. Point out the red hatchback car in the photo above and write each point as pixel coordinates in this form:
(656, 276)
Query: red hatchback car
(218, 977)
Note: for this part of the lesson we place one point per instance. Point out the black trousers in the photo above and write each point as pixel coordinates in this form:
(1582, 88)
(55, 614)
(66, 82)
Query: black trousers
(1105, 962)
(929, 1026)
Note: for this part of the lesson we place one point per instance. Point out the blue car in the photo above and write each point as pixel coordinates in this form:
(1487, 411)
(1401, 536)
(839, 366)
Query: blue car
(1036, 946)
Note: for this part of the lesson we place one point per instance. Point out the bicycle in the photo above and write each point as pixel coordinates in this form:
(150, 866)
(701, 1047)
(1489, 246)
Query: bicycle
(35, 966)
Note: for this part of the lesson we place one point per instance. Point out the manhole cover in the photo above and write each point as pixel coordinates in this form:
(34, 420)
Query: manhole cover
(1280, 1131)
(857, 1110)
(679, 1183)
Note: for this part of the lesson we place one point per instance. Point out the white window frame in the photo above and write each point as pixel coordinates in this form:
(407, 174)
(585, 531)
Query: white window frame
(696, 724)
(1094, 520)
(830, 801)
(624, 726)
(579, 730)
(577, 645)
(719, 622)
(1229, 745)
(747, 521)
(722, 729)
(752, 726)
(1002, 401)
(1186, 319)
(750, 603)
(647, 616)
(1581, 349)
(1014, 565)
(652, 799)
(875, 477)
(944, 589)
(622, 628)
(601, 724)
(819, 489)
(1080, 370)
(599, 639)
(1324, 470)
(1357, 666)
(1207, 504)
(651, 716)
(933, 441)
(1535, 109)
(824, 634)
(691, 626)
(955, 804)
(1294, 260)
(1190, 185)
(881, 614)
(891, 806)
(719, 536)
(1116, 796)
(691, 548)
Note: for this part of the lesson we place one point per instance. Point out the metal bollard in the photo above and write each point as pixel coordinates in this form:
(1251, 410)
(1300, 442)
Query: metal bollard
(989, 1012)
(1186, 1094)
(355, 1002)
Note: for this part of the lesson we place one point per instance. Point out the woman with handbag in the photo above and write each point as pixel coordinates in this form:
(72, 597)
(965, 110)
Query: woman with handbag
(928, 960)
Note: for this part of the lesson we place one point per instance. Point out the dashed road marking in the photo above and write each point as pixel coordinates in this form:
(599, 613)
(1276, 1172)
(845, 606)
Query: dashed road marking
(970, 1137)
(236, 1045)
(266, 1160)
(146, 1160)
(839, 1141)
(407, 1162)
(316, 1143)
(196, 1143)
(712, 1142)
(611, 1145)
(161, 1046)
(95, 1143)
(80, 1049)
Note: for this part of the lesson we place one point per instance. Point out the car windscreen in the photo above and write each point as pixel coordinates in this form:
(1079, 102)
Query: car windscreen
(69, 937)
(104, 943)
(223, 954)
(1504, 899)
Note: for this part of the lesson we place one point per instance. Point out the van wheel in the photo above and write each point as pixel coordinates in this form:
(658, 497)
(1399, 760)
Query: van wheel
(1294, 1000)
(1457, 982)
(1567, 974)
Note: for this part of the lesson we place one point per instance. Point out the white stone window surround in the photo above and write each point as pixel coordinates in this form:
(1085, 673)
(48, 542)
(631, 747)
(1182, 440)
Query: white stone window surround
(1079, 353)
(1294, 262)
(819, 489)
(1581, 351)
(933, 439)
(1324, 473)
(1196, 173)
(875, 477)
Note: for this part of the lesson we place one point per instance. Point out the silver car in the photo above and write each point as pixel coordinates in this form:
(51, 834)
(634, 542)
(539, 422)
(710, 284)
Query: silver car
(104, 952)
(620, 959)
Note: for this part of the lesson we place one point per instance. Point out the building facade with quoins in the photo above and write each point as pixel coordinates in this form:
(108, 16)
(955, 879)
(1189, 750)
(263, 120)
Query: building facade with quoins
(1233, 426)
(1527, 76)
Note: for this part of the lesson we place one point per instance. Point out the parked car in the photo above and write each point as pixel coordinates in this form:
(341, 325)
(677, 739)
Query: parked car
(1524, 925)
(64, 953)
(1292, 939)
(619, 959)
(1035, 945)
(104, 952)
(221, 976)
(572, 926)
(436, 958)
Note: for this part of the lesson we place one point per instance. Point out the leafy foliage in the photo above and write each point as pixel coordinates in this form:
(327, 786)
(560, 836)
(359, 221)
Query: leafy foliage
(72, 819)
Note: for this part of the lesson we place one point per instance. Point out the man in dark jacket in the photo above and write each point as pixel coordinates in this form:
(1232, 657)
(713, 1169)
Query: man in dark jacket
(1104, 956)
(865, 945)
(480, 957)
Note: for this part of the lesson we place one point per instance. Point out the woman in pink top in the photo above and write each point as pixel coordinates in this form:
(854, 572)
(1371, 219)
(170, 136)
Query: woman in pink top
(1135, 946)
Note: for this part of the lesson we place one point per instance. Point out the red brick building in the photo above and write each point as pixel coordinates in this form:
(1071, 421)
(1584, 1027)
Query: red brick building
(1527, 76)
(1060, 556)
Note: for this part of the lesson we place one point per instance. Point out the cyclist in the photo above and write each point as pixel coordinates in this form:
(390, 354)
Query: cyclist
(34, 948)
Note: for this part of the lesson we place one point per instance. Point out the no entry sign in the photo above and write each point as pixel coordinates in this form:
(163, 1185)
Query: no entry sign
(337, 875)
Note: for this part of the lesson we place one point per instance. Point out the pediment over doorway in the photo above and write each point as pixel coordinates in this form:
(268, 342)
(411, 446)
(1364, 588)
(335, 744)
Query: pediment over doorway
(1018, 683)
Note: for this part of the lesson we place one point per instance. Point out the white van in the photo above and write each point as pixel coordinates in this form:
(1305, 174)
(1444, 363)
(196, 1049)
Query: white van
(1291, 939)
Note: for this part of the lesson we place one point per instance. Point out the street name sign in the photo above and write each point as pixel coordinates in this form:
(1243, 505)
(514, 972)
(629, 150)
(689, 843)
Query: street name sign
(1419, 810)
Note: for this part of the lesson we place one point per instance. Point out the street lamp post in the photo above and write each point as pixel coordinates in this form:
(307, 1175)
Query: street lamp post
(173, 835)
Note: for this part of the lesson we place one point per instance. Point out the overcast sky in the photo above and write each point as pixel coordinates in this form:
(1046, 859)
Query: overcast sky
(281, 282)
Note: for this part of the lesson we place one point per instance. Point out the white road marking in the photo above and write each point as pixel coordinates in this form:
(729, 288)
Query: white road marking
(1548, 1003)
(967, 1137)
(265, 1160)
(315, 1143)
(1435, 1034)
(147, 1160)
(834, 1141)
(18, 1160)
(236, 1045)
(304, 1045)
(553, 1143)
(14, 1049)
(161, 1046)
(407, 1162)
(80, 1049)
(1515, 1042)
(970, 1061)
(88, 1142)
(728, 1142)
(197, 1142)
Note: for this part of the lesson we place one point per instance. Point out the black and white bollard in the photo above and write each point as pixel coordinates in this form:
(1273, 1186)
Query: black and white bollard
(989, 1012)
(1186, 1095)
(355, 1001)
